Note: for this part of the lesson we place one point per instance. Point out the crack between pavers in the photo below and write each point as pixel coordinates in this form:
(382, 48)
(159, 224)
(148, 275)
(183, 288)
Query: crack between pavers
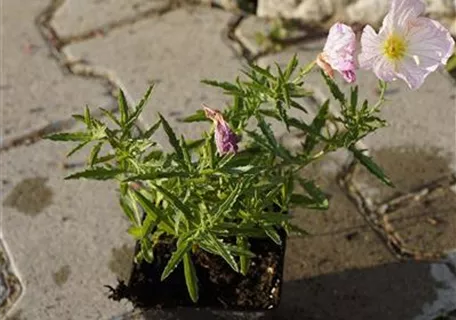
(112, 26)
(83, 68)
(376, 217)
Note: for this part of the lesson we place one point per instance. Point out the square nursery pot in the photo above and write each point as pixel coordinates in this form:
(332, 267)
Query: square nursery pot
(220, 287)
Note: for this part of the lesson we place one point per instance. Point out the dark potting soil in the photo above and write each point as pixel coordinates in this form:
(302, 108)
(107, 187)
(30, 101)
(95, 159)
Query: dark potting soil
(220, 287)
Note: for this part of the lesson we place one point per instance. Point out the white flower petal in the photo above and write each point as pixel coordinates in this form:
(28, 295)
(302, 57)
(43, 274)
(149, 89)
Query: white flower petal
(411, 73)
(384, 69)
(429, 42)
(401, 11)
(339, 36)
(370, 48)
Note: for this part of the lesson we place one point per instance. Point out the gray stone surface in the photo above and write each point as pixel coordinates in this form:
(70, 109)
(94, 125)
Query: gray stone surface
(64, 236)
(75, 17)
(34, 90)
(363, 11)
(176, 51)
(67, 238)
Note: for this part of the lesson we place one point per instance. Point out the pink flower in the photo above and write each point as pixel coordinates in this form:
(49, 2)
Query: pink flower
(338, 53)
(225, 139)
(408, 47)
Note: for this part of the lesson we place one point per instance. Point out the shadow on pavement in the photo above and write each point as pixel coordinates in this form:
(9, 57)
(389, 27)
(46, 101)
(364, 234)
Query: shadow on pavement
(395, 291)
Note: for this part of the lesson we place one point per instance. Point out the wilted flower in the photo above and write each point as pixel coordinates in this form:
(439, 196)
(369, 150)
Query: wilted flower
(338, 53)
(408, 46)
(225, 139)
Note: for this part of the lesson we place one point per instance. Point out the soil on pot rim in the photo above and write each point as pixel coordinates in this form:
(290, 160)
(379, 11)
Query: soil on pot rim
(220, 287)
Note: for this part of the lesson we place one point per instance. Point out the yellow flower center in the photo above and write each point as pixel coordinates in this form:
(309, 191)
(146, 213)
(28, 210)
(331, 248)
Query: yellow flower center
(394, 47)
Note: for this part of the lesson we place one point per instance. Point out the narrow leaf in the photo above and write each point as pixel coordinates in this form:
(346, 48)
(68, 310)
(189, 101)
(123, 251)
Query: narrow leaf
(149, 133)
(94, 154)
(69, 136)
(182, 248)
(110, 115)
(198, 116)
(272, 233)
(222, 250)
(173, 200)
(371, 166)
(171, 137)
(123, 107)
(190, 278)
(243, 259)
(96, 174)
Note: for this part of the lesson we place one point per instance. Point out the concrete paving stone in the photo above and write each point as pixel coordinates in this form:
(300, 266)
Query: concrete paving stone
(176, 51)
(75, 17)
(326, 12)
(34, 90)
(67, 239)
(428, 224)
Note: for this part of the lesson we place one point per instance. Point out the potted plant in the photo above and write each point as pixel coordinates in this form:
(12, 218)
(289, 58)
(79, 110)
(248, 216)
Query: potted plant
(211, 216)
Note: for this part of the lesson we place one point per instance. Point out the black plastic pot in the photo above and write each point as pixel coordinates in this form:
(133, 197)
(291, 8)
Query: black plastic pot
(220, 287)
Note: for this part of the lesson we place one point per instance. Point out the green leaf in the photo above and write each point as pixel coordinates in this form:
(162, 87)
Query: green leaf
(307, 69)
(229, 202)
(186, 154)
(194, 144)
(68, 136)
(263, 71)
(88, 118)
(172, 137)
(173, 200)
(354, 99)
(153, 212)
(228, 87)
(138, 110)
(317, 124)
(243, 259)
(125, 204)
(337, 94)
(149, 133)
(123, 107)
(370, 165)
(77, 148)
(158, 175)
(110, 115)
(221, 249)
(190, 277)
(198, 116)
(274, 218)
(136, 232)
(307, 202)
(272, 142)
(99, 173)
(292, 228)
(94, 154)
(451, 64)
(296, 105)
(272, 233)
(291, 67)
(182, 248)
(319, 198)
(147, 250)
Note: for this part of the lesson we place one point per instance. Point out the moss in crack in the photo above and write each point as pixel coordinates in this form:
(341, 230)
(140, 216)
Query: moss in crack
(30, 196)
(121, 261)
(61, 276)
